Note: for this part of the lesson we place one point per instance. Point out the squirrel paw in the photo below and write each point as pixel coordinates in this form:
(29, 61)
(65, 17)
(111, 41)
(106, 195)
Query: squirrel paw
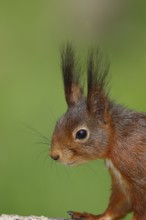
(84, 216)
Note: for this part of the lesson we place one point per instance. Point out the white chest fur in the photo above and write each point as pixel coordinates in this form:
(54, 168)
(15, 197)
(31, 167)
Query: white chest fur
(117, 175)
(108, 218)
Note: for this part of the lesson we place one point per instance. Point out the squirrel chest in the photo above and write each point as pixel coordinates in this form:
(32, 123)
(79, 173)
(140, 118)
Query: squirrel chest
(117, 177)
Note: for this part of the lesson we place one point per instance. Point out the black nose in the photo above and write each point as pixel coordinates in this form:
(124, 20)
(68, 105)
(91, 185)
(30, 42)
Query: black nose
(55, 157)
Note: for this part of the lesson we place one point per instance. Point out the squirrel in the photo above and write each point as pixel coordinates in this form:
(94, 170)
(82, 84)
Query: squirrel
(95, 127)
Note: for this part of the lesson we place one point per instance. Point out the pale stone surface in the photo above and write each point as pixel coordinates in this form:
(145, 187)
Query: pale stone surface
(17, 217)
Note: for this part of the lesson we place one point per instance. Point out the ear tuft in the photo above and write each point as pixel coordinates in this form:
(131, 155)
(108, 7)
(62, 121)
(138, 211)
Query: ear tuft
(71, 75)
(97, 98)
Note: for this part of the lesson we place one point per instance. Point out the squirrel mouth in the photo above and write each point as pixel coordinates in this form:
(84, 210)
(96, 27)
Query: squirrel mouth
(71, 163)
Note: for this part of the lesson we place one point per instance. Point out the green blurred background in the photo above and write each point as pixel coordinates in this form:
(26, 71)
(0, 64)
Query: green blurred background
(31, 96)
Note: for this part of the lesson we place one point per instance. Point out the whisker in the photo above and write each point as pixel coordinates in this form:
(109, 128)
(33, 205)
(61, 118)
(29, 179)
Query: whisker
(45, 158)
(45, 143)
(66, 171)
(35, 131)
(51, 163)
(42, 152)
(91, 168)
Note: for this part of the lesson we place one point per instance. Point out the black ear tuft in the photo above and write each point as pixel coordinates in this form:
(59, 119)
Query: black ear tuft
(97, 98)
(71, 75)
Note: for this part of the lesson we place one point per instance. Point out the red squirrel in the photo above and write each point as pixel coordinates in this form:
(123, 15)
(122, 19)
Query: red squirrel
(95, 127)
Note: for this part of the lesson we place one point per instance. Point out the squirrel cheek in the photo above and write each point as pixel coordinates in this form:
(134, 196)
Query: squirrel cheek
(68, 157)
(68, 154)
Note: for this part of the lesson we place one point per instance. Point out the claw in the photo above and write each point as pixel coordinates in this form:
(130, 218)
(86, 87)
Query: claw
(76, 215)
(70, 213)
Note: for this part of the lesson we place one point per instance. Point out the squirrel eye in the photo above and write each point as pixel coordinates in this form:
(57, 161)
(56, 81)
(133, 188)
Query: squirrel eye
(81, 134)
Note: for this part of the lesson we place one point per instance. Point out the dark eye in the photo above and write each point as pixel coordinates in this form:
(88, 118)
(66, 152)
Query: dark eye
(81, 134)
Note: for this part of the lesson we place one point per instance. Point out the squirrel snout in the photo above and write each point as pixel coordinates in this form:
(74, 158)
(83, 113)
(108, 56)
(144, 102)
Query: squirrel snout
(55, 157)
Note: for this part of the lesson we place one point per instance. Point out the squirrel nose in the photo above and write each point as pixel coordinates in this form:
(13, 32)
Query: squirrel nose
(55, 157)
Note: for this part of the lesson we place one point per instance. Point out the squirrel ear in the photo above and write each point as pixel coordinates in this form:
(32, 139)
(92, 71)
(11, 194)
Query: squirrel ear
(97, 98)
(71, 77)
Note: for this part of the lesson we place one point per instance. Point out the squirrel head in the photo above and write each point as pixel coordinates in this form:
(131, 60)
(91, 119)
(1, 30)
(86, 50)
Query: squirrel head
(83, 132)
